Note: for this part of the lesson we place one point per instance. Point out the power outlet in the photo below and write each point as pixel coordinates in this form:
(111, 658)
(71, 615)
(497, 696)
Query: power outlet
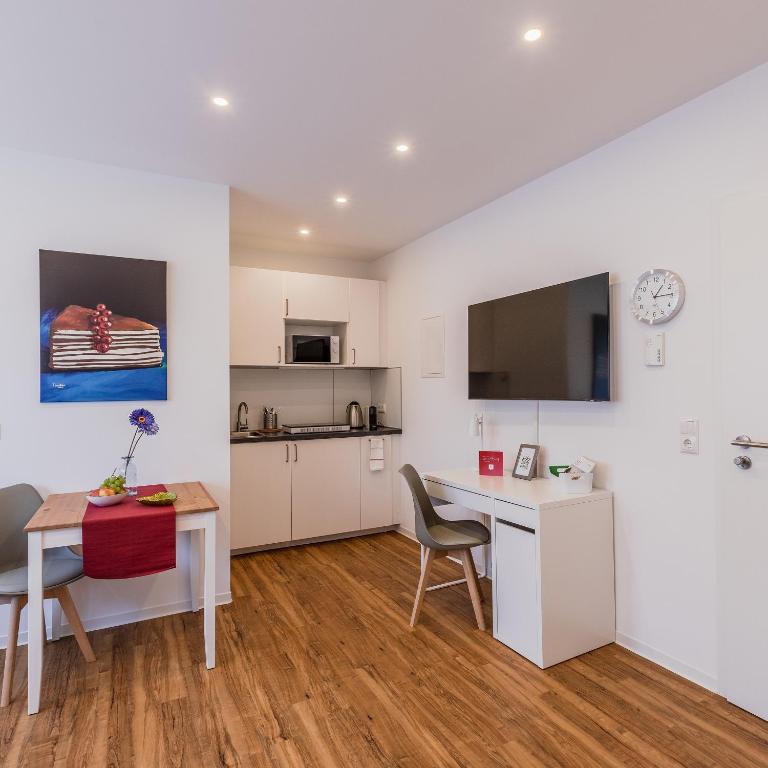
(689, 435)
(381, 409)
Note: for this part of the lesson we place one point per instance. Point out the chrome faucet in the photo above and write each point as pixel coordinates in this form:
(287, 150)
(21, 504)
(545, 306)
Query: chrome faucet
(242, 426)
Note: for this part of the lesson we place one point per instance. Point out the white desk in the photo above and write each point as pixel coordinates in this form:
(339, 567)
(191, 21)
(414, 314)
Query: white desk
(552, 552)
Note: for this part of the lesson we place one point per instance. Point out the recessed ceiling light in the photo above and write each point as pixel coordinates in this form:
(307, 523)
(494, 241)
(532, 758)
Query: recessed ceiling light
(402, 148)
(220, 101)
(305, 232)
(341, 199)
(532, 35)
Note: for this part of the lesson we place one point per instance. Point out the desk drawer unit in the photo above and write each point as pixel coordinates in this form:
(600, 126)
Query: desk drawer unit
(516, 615)
(475, 501)
(553, 579)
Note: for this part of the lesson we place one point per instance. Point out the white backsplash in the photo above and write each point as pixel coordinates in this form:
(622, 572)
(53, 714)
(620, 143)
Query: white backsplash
(301, 396)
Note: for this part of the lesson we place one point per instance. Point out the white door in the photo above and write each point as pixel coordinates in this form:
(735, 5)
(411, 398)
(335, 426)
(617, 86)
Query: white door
(257, 331)
(376, 486)
(363, 329)
(325, 487)
(315, 297)
(260, 506)
(743, 529)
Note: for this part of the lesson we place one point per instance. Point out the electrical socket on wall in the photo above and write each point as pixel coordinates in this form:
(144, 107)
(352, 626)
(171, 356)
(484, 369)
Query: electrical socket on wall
(689, 435)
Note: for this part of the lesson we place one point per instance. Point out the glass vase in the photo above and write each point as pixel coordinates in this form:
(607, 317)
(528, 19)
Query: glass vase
(127, 468)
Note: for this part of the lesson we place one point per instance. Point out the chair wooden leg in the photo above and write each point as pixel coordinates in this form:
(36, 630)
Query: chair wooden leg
(17, 603)
(477, 578)
(422, 588)
(73, 617)
(474, 587)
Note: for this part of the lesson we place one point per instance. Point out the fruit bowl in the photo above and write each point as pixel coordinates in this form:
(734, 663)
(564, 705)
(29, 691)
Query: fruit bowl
(105, 501)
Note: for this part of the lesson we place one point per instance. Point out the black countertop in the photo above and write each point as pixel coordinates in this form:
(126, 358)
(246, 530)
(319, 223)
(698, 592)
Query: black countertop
(282, 436)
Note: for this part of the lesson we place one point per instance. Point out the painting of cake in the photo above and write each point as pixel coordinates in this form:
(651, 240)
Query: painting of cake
(102, 328)
(96, 339)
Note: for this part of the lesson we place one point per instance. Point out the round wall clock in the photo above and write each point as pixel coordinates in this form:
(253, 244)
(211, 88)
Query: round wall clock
(657, 296)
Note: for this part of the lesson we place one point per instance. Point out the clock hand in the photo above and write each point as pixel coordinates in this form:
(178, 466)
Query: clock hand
(663, 295)
(657, 292)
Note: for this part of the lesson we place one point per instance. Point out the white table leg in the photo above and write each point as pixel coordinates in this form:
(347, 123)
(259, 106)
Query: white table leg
(34, 619)
(195, 567)
(209, 590)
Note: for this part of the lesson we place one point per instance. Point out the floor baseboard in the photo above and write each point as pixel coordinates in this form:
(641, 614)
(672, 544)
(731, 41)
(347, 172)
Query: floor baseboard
(668, 662)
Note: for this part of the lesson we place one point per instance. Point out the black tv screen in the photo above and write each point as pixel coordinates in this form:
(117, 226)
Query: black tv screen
(549, 344)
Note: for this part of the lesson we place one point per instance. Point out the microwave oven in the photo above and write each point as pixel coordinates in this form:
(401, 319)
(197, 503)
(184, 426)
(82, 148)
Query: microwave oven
(323, 350)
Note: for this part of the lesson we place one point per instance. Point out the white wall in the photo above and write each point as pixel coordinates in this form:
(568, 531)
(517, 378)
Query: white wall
(244, 255)
(71, 206)
(644, 200)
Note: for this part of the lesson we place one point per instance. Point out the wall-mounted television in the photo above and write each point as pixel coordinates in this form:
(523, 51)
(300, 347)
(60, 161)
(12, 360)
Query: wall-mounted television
(552, 343)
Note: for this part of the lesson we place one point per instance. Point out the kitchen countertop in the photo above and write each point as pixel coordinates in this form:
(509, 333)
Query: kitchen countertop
(282, 437)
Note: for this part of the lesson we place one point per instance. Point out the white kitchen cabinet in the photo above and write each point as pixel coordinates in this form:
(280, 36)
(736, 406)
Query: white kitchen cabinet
(257, 331)
(325, 487)
(260, 506)
(319, 298)
(375, 487)
(363, 347)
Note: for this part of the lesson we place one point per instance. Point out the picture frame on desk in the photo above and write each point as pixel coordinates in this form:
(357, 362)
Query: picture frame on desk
(526, 462)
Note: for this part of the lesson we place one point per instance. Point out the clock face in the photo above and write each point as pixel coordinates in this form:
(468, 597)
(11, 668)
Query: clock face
(657, 296)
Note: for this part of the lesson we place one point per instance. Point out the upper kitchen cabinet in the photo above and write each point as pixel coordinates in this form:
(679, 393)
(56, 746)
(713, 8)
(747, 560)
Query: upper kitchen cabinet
(363, 347)
(257, 332)
(318, 298)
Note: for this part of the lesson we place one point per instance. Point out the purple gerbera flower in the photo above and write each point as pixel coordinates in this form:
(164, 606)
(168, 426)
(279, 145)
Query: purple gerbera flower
(142, 419)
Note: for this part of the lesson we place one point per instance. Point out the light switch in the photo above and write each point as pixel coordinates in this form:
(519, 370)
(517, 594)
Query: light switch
(654, 349)
(689, 435)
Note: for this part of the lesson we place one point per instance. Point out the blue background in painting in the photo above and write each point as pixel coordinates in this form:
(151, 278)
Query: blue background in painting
(90, 386)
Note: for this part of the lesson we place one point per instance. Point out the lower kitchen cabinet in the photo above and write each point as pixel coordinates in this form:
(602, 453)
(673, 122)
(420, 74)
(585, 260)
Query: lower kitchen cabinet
(306, 489)
(260, 495)
(325, 487)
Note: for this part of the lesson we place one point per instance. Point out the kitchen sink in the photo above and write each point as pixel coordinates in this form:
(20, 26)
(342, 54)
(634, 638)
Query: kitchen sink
(251, 434)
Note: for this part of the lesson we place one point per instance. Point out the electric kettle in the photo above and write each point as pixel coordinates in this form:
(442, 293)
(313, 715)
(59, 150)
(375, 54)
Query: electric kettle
(355, 416)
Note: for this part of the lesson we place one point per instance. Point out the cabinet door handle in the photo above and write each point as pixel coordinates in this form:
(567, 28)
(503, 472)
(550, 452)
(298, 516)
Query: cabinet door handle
(286, 453)
(516, 525)
(354, 356)
(295, 452)
(279, 354)
(286, 307)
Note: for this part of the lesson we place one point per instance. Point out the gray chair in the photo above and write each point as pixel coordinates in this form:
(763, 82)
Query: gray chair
(61, 567)
(440, 538)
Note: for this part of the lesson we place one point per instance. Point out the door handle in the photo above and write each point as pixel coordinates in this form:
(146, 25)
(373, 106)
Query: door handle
(295, 452)
(354, 356)
(279, 354)
(745, 441)
(287, 455)
(286, 307)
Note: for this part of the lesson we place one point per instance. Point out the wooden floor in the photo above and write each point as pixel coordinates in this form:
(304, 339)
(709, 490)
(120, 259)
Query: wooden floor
(317, 667)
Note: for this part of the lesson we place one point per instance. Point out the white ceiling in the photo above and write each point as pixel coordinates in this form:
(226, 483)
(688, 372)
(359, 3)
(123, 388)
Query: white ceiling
(321, 89)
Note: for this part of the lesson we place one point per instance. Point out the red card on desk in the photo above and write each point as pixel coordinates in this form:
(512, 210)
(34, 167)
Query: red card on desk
(491, 463)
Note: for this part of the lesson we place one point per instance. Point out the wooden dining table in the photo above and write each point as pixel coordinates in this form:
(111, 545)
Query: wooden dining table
(58, 523)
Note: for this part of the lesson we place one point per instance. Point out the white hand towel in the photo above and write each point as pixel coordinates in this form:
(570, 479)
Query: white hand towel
(376, 454)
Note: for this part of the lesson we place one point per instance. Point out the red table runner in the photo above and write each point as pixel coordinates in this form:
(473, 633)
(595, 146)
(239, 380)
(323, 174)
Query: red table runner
(129, 539)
